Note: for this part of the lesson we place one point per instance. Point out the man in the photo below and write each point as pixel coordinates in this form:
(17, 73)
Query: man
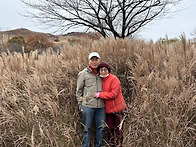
(88, 83)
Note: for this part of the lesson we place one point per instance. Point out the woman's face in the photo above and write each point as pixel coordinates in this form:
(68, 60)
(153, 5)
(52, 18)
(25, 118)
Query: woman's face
(103, 72)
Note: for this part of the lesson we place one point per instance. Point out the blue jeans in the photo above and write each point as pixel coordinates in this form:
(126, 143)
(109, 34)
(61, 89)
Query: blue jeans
(88, 115)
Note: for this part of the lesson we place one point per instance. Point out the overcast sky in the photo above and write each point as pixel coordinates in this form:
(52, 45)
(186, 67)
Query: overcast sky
(173, 25)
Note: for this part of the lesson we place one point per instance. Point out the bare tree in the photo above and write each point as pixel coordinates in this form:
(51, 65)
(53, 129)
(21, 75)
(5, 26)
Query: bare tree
(120, 18)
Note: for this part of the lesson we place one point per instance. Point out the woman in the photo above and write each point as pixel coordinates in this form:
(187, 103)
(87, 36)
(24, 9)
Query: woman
(114, 104)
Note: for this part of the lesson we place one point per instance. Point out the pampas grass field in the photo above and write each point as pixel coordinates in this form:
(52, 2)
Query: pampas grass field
(38, 106)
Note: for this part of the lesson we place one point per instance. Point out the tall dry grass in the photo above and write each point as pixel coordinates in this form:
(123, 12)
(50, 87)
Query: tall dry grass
(38, 104)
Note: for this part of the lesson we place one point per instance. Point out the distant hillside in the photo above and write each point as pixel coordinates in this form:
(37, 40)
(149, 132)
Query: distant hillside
(6, 35)
(24, 32)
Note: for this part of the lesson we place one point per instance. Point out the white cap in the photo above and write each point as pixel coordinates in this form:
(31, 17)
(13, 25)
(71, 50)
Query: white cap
(93, 54)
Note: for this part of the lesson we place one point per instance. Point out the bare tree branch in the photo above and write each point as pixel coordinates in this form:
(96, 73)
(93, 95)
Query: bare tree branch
(119, 18)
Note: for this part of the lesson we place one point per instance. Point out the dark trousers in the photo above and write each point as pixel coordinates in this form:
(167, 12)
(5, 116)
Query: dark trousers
(115, 133)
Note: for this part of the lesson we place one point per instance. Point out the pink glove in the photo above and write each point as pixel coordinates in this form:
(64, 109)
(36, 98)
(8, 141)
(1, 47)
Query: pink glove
(96, 95)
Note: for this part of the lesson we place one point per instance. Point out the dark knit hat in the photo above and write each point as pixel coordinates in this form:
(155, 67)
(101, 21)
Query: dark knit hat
(104, 64)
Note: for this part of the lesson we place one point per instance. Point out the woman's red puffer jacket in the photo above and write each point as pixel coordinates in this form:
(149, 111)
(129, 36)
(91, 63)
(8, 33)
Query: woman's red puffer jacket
(112, 94)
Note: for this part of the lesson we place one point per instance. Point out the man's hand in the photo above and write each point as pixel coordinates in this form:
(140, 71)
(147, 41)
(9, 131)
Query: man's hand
(80, 108)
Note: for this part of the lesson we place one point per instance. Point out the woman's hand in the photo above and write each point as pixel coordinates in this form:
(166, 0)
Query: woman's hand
(96, 95)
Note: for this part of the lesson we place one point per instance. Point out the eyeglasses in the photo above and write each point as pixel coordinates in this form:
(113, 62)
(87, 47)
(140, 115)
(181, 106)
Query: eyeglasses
(103, 70)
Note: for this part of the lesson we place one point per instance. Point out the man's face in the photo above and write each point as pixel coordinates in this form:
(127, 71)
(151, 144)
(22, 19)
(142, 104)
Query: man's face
(94, 62)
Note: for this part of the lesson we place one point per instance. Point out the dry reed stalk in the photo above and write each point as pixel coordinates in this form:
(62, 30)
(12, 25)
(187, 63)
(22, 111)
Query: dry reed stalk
(155, 82)
(193, 69)
(184, 45)
(32, 138)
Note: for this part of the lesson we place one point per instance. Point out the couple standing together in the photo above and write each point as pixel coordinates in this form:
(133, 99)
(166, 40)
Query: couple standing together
(99, 96)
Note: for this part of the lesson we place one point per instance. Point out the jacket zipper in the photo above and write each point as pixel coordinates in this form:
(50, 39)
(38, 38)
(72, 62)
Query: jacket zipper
(97, 88)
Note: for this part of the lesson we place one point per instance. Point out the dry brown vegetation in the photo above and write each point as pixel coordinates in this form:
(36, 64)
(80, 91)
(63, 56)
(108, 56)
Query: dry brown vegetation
(37, 93)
